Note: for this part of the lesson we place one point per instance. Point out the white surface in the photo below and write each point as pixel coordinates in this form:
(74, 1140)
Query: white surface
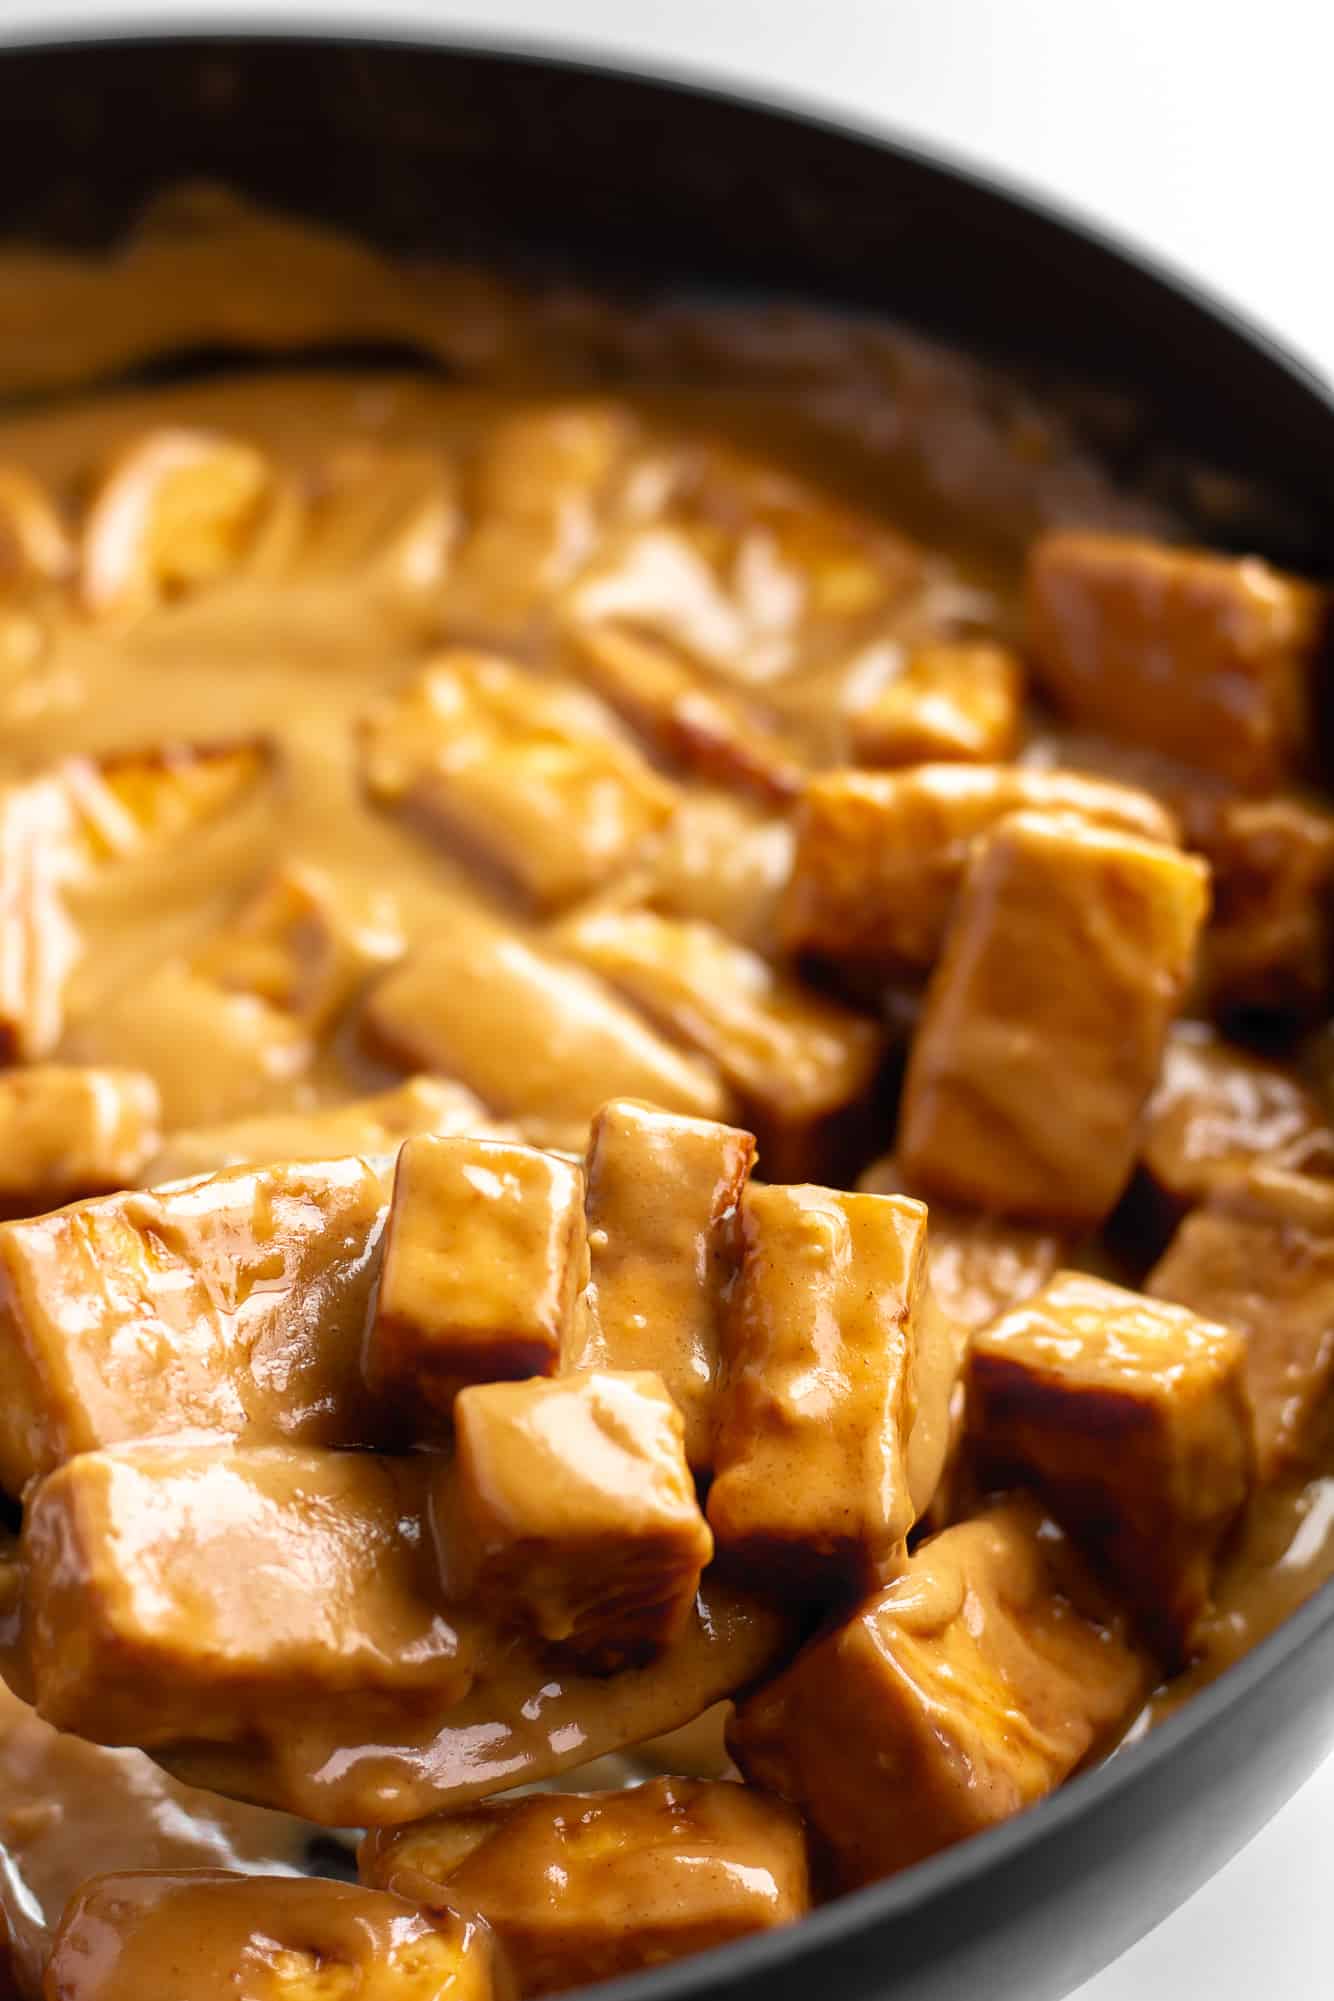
(1201, 129)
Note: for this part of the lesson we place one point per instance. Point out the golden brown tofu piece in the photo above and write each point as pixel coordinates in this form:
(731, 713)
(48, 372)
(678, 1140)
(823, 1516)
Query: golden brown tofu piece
(484, 1262)
(133, 801)
(802, 1066)
(1205, 657)
(541, 486)
(1131, 1418)
(67, 1131)
(207, 1935)
(1269, 948)
(706, 730)
(292, 946)
(963, 1692)
(953, 701)
(980, 1265)
(234, 1303)
(35, 544)
(816, 1404)
(880, 856)
(179, 1590)
(527, 773)
(1044, 1025)
(373, 1125)
(38, 943)
(725, 861)
(570, 1509)
(664, 1244)
(584, 1886)
(1259, 1257)
(173, 512)
(1215, 1111)
(538, 1039)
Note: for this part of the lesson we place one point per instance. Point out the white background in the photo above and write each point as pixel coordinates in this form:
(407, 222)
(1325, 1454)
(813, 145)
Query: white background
(1201, 128)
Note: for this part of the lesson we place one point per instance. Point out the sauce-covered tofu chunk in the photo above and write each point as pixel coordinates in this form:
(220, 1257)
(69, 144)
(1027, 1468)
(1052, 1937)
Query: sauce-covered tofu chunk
(234, 1303)
(1043, 1031)
(583, 1886)
(1215, 1110)
(707, 730)
(959, 1695)
(816, 1403)
(528, 773)
(955, 700)
(206, 1935)
(186, 1590)
(801, 1065)
(483, 1264)
(570, 1507)
(294, 947)
(880, 855)
(1132, 1419)
(537, 1038)
(663, 1246)
(1205, 657)
(1269, 948)
(67, 1131)
(1259, 1256)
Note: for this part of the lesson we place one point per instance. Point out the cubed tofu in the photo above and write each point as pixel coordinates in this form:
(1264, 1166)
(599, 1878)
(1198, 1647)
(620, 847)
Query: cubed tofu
(484, 1263)
(664, 1245)
(173, 512)
(541, 485)
(207, 1935)
(1131, 1418)
(1269, 949)
(537, 1038)
(803, 1067)
(816, 1403)
(134, 802)
(1205, 657)
(234, 1303)
(880, 855)
(373, 1125)
(1259, 1257)
(706, 730)
(295, 948)
(969, 1688)
(38, 943)
(570, 1509)
(67, 1131)
(725, 861)
(581, 1887)
(528, 774)
(1215, 1111)
(1043, 1031)
(953, 701)
(187, 1590)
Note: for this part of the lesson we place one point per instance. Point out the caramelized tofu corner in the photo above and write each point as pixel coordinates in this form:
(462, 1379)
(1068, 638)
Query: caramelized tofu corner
(483, 1265)
(1131, 1418)
(580, 1887)
(67, 1131)
(955, 700)
(967, 1689)
(1067, 957)
(570, 1508)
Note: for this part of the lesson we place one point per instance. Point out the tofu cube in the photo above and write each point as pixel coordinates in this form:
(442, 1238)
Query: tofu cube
(293, 946)
(1043, 1031)
(967, 1689)
(66, 1131)
(484, 1262)
(194, 1591)
(1269, 948)
(817, 1401)
(1131, 1418)
(1215, 1111)
(1259, 1257)
(1204, 657)
(664, 1245)
(265, 1938)
(528, 774)
(880, 855)
(580, 1887)
(802, 1066)
(571, 1509)
(955, 700)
